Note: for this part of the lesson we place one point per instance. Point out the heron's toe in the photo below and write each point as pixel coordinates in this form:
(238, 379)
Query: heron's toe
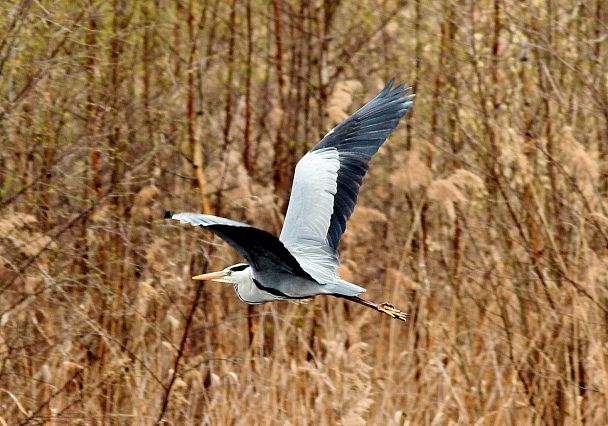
(389, 309)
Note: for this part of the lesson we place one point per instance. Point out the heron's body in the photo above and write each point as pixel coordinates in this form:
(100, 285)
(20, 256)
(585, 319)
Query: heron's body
(302, 262)
(285, 286)
(281, 272)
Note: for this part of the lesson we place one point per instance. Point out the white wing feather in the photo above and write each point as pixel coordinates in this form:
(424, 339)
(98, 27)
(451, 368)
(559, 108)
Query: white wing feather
(308, 218)
(312, 198)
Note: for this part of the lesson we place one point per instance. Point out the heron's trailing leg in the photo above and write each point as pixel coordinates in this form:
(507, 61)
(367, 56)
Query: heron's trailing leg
(385, 308)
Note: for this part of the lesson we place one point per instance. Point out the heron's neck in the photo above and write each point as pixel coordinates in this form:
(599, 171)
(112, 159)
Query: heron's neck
(248, 291)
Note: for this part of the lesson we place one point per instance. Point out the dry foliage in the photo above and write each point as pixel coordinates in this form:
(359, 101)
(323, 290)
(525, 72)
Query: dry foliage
(485, 216)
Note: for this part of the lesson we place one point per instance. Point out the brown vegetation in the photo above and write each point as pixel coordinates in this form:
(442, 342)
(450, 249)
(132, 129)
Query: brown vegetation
(485, 215)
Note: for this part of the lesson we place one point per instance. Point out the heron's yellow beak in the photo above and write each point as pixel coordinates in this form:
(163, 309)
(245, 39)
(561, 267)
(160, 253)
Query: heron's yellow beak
(213, 276)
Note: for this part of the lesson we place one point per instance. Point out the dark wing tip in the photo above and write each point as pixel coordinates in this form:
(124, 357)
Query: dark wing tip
(168, 214)
(388, 86)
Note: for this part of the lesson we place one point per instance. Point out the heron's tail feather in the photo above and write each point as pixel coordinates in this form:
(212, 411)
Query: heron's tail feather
(344, 288)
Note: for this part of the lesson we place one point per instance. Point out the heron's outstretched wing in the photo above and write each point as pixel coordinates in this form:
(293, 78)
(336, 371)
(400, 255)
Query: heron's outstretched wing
(261, 249)
(327, 179)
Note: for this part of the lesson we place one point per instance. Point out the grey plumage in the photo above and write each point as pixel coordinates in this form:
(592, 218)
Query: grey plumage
(302, 263)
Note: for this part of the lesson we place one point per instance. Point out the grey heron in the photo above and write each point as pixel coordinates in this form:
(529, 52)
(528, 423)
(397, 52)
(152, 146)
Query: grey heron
(302, 262)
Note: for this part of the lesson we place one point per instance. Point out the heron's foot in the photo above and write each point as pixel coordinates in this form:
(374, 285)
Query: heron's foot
(389, 309)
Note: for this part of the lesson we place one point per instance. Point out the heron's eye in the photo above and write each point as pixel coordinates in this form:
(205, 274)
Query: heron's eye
(229, 272)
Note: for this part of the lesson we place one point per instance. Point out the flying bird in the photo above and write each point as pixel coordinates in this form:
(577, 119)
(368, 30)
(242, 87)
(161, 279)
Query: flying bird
(302, 262)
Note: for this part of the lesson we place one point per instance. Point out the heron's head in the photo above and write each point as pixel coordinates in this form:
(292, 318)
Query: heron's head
(231, 275)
